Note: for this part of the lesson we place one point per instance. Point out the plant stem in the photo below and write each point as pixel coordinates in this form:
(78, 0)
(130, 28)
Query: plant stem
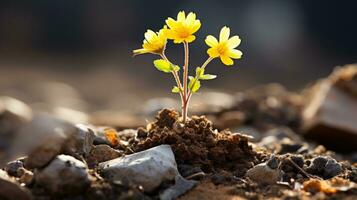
(209, 59)
(176, 76)
(185, 88)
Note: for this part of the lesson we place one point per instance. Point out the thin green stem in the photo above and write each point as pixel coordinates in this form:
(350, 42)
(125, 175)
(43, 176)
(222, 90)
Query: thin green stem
(204, 65)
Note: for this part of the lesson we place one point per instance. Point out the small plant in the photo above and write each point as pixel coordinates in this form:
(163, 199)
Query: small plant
(182, 30)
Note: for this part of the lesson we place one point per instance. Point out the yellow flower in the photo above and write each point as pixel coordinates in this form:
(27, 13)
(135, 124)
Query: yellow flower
(182, 29)
(153, 43)
(225, 47)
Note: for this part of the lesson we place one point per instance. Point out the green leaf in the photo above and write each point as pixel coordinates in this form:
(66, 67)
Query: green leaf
(175, 89)
(208, 77)
(194, 85)
(199, 72)
(163, 65)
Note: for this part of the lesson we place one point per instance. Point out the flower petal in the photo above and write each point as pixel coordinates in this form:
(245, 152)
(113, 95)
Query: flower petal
(170, 22)
(224, 34)
(191, 17)
(234, 53)
(226, 60)
(181, 16)
(196, 25)
(212, 52)
(149, 35)
(140, 51)
(190, 38)
(233, 42)
(211, 41)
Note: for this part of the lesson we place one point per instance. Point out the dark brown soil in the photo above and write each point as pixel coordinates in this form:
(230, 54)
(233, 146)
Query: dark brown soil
(197, 144)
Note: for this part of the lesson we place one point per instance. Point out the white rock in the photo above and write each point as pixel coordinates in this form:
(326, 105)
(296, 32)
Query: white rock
(148, 168)
(263, 174)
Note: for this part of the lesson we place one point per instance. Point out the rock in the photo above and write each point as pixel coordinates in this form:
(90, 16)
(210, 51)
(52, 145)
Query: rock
(269, 106)
(289, 146)
(230, 119)
(181, 186)
(109, 136)
(211, 102)
(11, 190)
(273, 162)
(26, 176)
(118, 120)
(101, 153)
(191, 172)
(332, 168)
(264, 174)
(13, 115)
(44, 138)
(147, 168)
(254, 134)
(81, 142)
(326, 167)
(330, 110)
(283, 132)
(12, 168)
(65, 175)
(70, 115)
(352, 175)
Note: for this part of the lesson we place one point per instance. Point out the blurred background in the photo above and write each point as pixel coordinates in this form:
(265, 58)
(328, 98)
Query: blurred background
(78, 53)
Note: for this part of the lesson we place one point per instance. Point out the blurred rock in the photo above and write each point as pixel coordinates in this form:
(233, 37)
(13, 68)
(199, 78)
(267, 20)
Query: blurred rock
(254, 134)
(283, 132)
(229, 119)
(58, 94)
(147, 168)
(191, 172)
(12, 168)
(70, 115)
(101, 153)
(65, 175)
(269, 106)
(13, 115)
(211, 102)
(81, 142)
(10, 190)
(44, 138)
(325, 167)
(118, 120)
(180, 187)
(330, 111)
(26, 176)
(266, 173)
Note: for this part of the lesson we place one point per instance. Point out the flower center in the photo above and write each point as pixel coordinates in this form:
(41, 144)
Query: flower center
(222, 48)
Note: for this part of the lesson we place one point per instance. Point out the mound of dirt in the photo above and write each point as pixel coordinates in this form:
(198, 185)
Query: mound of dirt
(196, 143)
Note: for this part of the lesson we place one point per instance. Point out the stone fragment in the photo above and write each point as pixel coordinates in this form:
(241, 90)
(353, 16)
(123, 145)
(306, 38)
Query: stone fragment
(10, 190)
(81, 142)
(325, 167)
(101, 153)
(44, 138)
(147, 169)
(265, 173)
(330, 110)
(13, 115)
(12, 168)
(65, 175)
